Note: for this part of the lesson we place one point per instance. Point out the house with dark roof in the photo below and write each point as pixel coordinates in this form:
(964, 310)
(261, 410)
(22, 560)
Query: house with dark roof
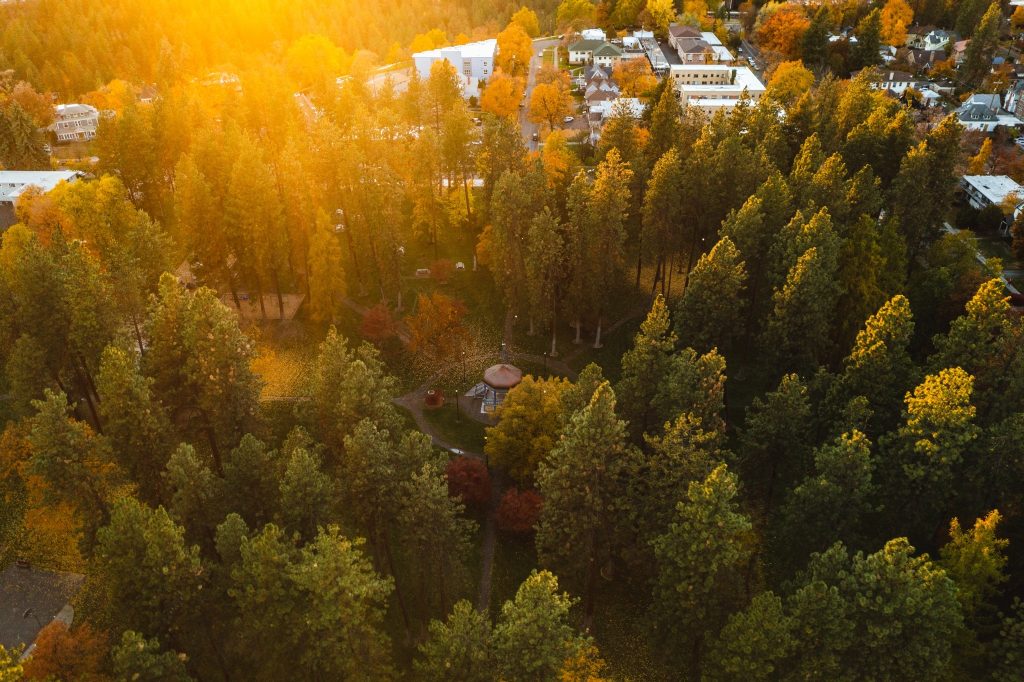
(607, 55)
(922, 59)
(984, 112)
(582, 51)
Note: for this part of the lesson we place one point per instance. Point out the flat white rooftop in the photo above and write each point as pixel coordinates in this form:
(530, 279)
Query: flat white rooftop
(995, 188)
(481, 48)
(744, 78)
(13, 183)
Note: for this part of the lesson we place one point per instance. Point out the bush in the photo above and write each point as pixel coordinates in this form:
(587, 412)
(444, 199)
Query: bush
(518, 511)
(469, 480)
(442, 270)
(378, 325)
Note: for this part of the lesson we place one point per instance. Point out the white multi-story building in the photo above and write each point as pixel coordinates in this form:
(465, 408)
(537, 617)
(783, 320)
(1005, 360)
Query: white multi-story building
(474, 62)
(13, 184)
(75, 122)
(713, 87)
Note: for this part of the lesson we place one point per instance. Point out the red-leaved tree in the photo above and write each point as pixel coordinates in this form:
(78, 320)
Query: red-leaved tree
(519, 511)
(469, 480)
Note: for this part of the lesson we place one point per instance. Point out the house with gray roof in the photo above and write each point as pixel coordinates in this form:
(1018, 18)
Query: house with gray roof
(984, 112)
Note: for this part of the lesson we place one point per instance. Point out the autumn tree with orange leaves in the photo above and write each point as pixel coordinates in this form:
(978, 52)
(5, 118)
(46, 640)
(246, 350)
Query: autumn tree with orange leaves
(782, 28)
(502, 95)
(436, 332)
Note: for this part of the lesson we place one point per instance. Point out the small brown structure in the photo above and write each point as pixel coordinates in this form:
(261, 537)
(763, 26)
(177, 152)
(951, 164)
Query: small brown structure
(498, 381)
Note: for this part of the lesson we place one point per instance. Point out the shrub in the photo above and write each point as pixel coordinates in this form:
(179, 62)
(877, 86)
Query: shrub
(518, 511)
(377, 325)
(469, 480)
(442, 270)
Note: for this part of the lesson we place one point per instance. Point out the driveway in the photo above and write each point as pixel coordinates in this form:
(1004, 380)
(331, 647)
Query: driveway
(527, 128)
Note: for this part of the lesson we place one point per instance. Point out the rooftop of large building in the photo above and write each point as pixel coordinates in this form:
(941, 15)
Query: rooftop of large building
(481, 48)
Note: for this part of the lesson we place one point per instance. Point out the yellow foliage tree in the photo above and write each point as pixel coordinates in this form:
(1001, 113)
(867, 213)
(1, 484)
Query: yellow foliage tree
(634, 77)
(313, 60)
(663, 13)
(529, 423)
(549, 104)
(559, 161)
(527, 19)
(514, 51)
(978, 162)
(1017, 19)
(430, 40)
(789, 81)
(896, 16)
(502, 95)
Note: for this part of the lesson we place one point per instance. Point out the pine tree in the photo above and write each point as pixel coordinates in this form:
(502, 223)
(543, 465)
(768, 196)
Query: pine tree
(533, 638)
(662, 215)
(134, 421)
(831, 505)
(775, 439)
(879, 366)
(753, 643)
(326, 272)
(975, 560)
(982, 46)
(710, 312)
(154, 578)
(644, 368)
(869, 39)
(458, 648)
(579, 485)
(701, 559)
(198, 359)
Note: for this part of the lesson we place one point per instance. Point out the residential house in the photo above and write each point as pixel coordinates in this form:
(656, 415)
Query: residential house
(916, 35)
(600, 112)
(582, 51)
(714, 87)
(938, 39)
(221, 79)
(1014, 99)
(698, 47)
(75, 122)
(148, 94)
(994, 190)
(984, 112)
(473, 62)
(13, 184)
(608, 55)
(922, 59)
(959, 51)
(896, 82)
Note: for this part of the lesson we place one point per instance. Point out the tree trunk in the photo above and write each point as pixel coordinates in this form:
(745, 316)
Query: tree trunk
(530, 331)
(657, 276)
(234, 288)
(669, 270)
(579, 326)
(138, 335)
(280, 297)
(554, 327)
(639, 257)
(259, 292)
(597, 336)
(465, 190)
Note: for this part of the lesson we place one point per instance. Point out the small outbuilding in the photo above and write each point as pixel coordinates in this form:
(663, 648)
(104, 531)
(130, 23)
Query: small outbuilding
(498, 381)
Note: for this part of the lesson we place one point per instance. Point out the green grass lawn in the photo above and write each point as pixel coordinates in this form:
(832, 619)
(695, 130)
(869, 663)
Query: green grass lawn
(460, 431)
(514, 558)
(994, 246)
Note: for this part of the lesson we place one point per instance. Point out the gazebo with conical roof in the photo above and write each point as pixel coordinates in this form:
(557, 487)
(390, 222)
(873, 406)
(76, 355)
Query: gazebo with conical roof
(498, 381)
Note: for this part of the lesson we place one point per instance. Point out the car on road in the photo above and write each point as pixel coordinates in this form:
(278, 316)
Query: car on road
(568, 119)
(535, 137)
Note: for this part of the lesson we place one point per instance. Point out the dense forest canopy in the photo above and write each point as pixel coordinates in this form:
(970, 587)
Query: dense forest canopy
(74, 47)
(768, 423)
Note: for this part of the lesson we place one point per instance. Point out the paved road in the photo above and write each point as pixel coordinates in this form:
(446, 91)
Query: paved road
(527, 128)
